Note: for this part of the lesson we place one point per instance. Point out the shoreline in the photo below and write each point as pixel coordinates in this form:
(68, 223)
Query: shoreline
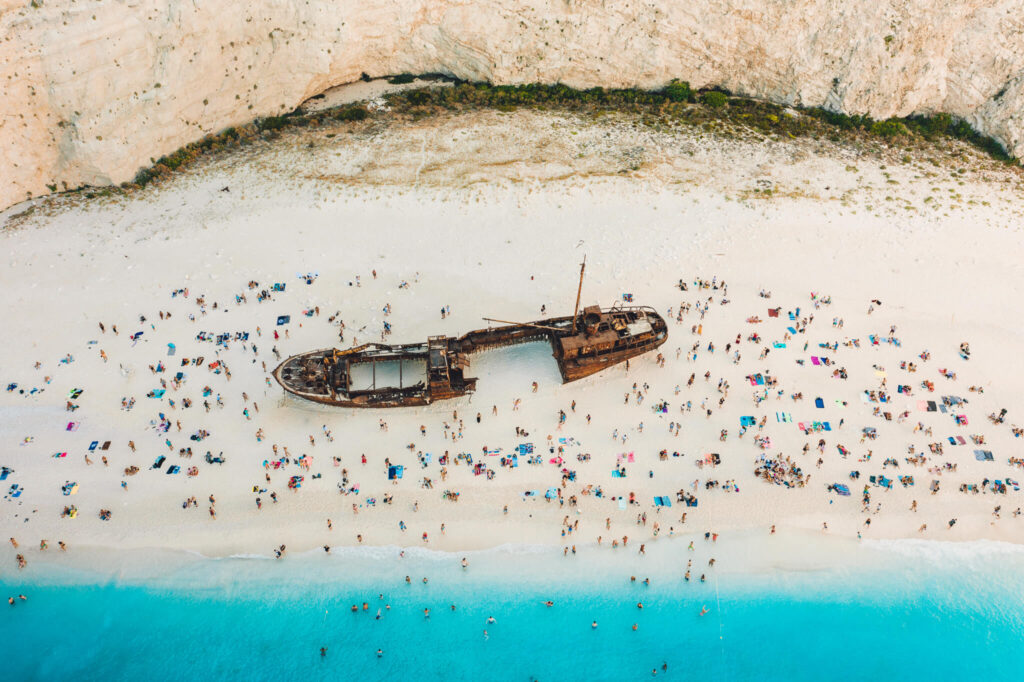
(950, 612)
(748, 558)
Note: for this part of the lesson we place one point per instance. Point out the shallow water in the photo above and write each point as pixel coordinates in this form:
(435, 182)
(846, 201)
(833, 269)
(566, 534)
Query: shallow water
(880, 611)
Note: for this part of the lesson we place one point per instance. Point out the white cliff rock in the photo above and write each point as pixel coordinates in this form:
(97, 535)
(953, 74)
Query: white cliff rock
(92, 90)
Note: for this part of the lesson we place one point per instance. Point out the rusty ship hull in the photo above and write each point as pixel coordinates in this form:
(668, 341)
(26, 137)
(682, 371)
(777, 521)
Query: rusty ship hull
(381, 376)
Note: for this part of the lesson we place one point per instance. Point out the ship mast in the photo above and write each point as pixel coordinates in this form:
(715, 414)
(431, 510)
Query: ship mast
(579, 292)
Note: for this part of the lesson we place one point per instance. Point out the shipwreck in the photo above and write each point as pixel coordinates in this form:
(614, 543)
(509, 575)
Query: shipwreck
(381, 375)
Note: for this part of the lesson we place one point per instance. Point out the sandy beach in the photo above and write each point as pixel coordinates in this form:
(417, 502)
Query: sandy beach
(886, 265)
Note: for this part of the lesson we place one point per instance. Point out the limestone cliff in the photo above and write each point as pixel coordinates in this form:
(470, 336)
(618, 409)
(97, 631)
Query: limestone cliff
(91, 90)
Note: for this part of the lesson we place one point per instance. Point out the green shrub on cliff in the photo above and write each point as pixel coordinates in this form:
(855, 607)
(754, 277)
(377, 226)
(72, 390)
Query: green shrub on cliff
(889, 128)
(678, 91)
(273, 123)
(714, 99)
(353, 113)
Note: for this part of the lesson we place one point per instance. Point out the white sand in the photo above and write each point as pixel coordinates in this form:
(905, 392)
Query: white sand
(491, 214)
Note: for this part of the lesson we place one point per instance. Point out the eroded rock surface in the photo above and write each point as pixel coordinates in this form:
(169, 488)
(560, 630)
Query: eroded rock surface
(92, 90)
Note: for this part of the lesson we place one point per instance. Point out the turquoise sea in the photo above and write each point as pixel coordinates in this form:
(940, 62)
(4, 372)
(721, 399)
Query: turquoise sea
(886, 611)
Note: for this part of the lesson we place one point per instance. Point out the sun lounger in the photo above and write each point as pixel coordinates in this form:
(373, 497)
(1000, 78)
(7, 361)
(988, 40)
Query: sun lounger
(819, 403)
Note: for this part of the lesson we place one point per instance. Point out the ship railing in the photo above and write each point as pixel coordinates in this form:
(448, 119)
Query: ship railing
(620, 307)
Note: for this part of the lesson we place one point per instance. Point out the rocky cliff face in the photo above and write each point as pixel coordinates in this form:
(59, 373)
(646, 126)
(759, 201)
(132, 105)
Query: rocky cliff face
(91, 90)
